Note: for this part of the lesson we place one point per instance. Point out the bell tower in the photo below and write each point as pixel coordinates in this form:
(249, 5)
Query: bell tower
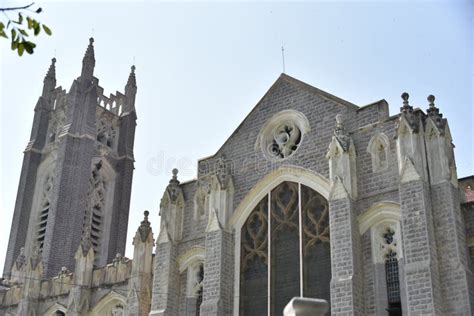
(77, 171)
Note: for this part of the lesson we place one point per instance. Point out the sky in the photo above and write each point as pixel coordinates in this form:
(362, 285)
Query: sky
(201, 67)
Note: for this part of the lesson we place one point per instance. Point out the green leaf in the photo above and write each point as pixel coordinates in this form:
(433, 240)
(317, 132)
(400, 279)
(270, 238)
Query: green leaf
(2, 26)
(20, 18)
(23, 32)
(39, 10)
(3, 34)
(29, 47)
(37, 29)
(14, 44)
(21, 48)
(46, 29)
(13, 34)
(28, 19)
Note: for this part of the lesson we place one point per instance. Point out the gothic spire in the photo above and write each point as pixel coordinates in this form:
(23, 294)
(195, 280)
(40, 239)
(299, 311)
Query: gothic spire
(132, 82)
(49, 82)
(88, 62)
(131, 90)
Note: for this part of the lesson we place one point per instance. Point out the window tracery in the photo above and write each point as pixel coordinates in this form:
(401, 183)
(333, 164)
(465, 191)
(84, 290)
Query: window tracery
(282, 241)
(282, 135)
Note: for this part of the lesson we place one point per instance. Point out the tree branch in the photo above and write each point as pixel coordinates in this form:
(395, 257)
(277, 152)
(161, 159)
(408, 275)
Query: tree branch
(16, 8)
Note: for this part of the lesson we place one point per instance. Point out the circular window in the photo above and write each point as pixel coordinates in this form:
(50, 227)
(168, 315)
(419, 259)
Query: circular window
(282, 135)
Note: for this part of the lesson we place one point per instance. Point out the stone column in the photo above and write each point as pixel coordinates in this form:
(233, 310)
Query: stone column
(455, 274)
(422, 290)
(139, 286)
(80, 294)
(166, 277)
(33, 275)
(346, 282)
(219, 263)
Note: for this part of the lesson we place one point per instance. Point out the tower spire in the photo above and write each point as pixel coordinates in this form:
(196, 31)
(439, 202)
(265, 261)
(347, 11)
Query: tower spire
(131, 90)
(88, 62)
(49, 82)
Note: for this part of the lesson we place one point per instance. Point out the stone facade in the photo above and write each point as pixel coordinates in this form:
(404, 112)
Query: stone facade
(310, 194)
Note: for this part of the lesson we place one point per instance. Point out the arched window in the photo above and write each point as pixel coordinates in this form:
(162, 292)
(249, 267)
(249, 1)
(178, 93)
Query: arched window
(198, 290)
(201, 203)
(379, 149)
(391, 275)
(286, 253)
(98, 210)
(45, 205)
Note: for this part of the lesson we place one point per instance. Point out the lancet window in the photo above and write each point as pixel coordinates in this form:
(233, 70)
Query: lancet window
(45, 206)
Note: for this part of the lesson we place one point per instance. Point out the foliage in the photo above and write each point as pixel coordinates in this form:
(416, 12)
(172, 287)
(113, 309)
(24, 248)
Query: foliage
(19, 30)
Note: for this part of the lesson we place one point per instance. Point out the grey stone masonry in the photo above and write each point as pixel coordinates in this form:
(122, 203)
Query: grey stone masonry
(72, 133)
(455, 273)
(218, 273)
(165, 281)
(31, 160)
(346, 282)
(139, 284)
(421, 263)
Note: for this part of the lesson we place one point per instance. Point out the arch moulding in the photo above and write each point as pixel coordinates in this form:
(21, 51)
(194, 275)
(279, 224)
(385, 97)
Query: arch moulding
(378, 212)
(285, 173)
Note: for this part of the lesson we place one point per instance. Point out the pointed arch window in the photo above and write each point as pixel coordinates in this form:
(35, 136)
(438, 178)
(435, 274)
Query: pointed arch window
(378, 148)
(97, 215)
(392, 274)
(285, 250)
(44, 210)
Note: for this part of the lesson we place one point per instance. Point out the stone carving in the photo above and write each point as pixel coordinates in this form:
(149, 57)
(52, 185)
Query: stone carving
(286, 139)
(106, 131)
(282, 135)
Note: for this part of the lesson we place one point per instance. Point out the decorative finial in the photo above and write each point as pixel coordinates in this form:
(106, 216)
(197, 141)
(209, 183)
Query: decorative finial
(405, 97)
(406, 106)
(133, 69)
(175, 173)
(91, 41)
(431, 99)
(144, 228)
(433, 111)
(53, 61)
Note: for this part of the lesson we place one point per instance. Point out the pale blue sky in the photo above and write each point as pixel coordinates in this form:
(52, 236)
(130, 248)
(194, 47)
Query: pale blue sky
(202, 67)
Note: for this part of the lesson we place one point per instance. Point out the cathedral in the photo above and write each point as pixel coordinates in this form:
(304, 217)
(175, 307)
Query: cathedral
(311, 196)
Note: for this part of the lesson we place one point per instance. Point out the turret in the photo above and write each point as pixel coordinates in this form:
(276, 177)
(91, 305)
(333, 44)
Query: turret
(139, 286)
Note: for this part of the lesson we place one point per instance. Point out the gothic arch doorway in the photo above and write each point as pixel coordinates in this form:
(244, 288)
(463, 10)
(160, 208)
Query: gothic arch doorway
(283, 250)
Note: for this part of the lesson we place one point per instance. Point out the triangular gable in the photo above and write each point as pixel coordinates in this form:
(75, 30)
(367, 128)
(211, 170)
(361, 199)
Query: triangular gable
(297, 83)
